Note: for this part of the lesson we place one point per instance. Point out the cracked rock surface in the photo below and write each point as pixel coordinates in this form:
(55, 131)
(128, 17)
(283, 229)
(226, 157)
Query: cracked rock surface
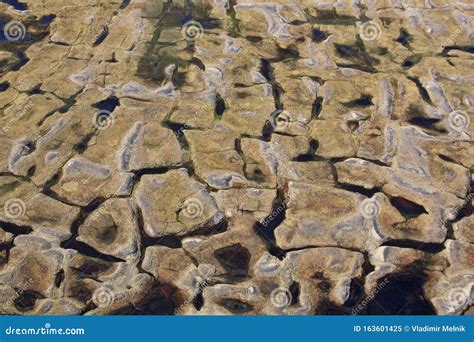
(236, 157)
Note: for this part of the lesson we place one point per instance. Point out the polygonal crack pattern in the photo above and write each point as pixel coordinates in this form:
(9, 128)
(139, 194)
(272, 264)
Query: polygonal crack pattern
(236, 157)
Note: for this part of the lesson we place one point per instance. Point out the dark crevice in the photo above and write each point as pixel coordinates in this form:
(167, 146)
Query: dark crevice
(198, 301)
(421, 246)
(466, 210)
(411, 61)
(423, 92)
(196, 61)
(108, 104)
(295, 292)
(407, 208)
(296, 249)
(356, 292)
(124, 4)
(266, 228)
(402, 294)
(31, 171)
(155, 171)
(170, 241)
(234, 29)
(87, 250)
(317, 107)
(15, 229)
(164, 299)
(416, 117)
(285, 54)
(235, 306)
(446, 49)
(26, 300)
(104, 32)
(359, 189)
(267, 71)
(91, 268)
(82, 145)
(58, 279)
(235, 259)
(318, 36)
(18, 5)
(364, 101)
(253, 39)
(358, 55)
(404, 38)
(211, 227)
(81, 217)
(36, 90)
(22, 60)
(311, 154)
(4, 86)
(47, 19)
(331, 17)
(267, 131)
(68, 103)
(220, 106)
(178, 130)
(425, 123)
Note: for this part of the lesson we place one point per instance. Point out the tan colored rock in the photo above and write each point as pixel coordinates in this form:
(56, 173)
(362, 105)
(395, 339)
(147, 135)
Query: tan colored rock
(173, 203)
(100, 181)
(112, 229)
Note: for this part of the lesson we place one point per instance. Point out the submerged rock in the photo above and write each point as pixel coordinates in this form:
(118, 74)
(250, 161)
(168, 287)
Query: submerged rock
(302, 157)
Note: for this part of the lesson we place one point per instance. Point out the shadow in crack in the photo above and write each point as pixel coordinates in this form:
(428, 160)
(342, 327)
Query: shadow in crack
(402, 295)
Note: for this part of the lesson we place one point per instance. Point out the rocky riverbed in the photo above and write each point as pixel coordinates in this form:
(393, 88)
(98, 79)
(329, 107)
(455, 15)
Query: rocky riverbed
(223, 157)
